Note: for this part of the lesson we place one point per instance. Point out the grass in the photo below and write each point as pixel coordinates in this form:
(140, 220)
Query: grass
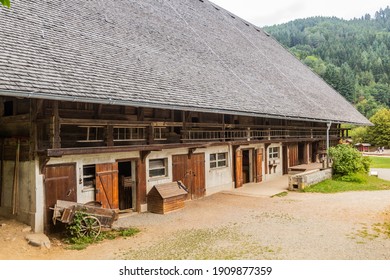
(380, 162)
(363, 183)
(281, 194)
(81, 243)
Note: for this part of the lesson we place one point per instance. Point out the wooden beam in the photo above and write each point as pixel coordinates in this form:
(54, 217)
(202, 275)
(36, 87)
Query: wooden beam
(143, 155)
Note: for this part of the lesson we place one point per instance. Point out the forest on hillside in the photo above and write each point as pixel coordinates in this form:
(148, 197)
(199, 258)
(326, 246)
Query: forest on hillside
(353, 56)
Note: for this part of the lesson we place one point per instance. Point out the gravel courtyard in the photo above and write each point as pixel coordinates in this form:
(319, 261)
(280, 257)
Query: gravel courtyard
(344, 226)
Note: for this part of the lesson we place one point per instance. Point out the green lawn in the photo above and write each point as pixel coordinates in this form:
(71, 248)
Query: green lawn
(370, 183)
(380, 162)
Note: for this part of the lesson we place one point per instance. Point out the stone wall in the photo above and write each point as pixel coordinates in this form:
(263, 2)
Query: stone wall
(302, 180)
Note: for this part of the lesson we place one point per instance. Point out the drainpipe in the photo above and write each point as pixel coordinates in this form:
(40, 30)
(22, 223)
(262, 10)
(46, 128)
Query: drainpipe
(329, 124)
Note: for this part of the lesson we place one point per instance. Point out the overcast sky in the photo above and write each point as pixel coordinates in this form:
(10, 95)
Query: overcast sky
(263, 12)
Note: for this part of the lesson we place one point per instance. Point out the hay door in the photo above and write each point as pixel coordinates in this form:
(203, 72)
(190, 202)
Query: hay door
(191, 171)
(259, 165)
(107, 185)
(60, 184)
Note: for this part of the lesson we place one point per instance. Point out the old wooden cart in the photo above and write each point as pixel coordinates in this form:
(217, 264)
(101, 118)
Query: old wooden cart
(93, 217)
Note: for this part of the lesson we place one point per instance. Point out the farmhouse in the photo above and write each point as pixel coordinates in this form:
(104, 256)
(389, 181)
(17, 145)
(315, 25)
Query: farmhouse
(103, 100)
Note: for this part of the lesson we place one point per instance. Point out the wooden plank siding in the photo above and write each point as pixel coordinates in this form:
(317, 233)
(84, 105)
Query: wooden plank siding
(259, 165)
(107, 185)
(191, 171)
(293, 154)
(238, 168)
(60, 184)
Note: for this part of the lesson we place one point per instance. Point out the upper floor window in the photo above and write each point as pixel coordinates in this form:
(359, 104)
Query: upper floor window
(93, 134)
(129, 133)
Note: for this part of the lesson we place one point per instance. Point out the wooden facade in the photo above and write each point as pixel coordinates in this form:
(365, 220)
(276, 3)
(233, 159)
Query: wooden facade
(53, 132)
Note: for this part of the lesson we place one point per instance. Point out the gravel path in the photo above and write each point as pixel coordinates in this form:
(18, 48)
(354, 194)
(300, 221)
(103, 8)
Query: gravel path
(298, 226)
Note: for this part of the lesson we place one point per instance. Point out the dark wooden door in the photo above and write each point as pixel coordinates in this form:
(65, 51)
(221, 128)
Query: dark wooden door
(285, 160)
(60, 184)
(238, 171)
(191, 171)
(259, 165)
(107, 185)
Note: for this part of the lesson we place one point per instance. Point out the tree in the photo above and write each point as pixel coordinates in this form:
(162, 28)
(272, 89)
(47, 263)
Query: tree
(379, 134)
(348, 161)
(6, 3)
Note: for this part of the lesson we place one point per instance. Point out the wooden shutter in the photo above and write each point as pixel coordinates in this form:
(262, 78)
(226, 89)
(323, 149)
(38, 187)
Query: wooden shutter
(60, 184)
(239, 178)
(107, 185)
(259, 165)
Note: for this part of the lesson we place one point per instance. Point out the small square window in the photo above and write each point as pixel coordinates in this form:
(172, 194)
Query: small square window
(218, 160)
(158, 167)
(273, 152)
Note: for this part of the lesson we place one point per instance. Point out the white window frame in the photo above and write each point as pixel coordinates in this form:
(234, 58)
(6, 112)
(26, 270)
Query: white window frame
(164, 167)
(218, 160)
(88, 135)
(273, 152)
(128, 131)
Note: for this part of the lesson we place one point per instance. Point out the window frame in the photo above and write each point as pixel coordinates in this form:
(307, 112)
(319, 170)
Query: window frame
(218, 160)
(272, 152)
(128, 131)
(164, 167)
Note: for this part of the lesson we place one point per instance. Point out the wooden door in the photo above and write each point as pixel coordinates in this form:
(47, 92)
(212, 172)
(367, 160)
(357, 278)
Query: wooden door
(107, 185)
(60, 184)
(259, 165)
(293, 155)
(285, 159)
(197, 167)
(191, 171)
(238, 171)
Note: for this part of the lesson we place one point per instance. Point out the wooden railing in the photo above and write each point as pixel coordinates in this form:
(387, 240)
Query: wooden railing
(268, 134)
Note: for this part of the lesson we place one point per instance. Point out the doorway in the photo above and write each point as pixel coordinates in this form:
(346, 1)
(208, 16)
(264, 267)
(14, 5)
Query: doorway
(301, 153)
(127, 184)
(247, 166)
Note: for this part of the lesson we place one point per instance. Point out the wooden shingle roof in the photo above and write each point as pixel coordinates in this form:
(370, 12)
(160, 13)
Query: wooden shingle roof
(177, 54)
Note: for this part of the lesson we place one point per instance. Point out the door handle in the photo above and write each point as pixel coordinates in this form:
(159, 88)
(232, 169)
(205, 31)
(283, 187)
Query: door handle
(69, 192)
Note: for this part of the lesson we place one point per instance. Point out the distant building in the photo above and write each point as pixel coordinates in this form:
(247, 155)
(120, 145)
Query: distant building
(363, 147)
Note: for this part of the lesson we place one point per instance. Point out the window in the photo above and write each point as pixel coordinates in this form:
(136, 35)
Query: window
(93, 134)
(273, 152)
(129, 133)
(158, 167)
(218, 160)
(89, 176)
(160, 133)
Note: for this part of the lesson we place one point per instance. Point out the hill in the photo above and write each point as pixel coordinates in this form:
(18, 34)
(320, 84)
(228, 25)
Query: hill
(353, 56)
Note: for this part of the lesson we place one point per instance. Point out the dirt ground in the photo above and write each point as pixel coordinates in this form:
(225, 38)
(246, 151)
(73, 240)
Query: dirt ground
(344, 226)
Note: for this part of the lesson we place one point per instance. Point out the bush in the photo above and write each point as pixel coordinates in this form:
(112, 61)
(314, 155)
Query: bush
(347, 160)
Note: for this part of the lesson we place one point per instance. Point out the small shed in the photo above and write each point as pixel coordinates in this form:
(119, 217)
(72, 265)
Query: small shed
(363, 147)
(164, 198)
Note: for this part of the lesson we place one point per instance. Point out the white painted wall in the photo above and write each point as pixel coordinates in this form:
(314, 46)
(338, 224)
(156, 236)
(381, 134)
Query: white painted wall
(26, 191)
(279, 168)
(216, 179)
(86, 195)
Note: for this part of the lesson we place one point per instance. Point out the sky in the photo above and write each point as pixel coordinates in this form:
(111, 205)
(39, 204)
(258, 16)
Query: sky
(262, 12)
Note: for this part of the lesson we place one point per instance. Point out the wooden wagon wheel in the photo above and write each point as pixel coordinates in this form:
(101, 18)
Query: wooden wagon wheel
(90, 226)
